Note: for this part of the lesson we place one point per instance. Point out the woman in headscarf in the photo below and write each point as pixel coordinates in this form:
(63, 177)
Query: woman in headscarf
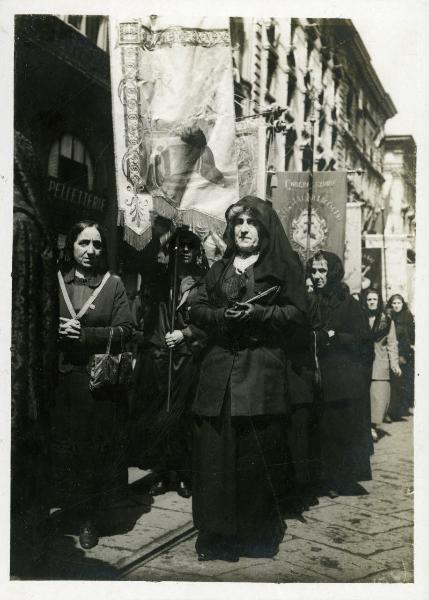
(385, 357)
(248, 304)
(34, 359)
(162, 439)
(344, 351)
(402, 398)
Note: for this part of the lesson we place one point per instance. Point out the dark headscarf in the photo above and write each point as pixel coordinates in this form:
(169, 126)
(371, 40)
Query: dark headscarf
(334, 292)
(382, 322)
(277, 262)
(334, 283)
(404, 323)
(404, 304)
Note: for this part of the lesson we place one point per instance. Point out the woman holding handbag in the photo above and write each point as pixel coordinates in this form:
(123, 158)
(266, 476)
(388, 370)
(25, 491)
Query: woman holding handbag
(88, 427)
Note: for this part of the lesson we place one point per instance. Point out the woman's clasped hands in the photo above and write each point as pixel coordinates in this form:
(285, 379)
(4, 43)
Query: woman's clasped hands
(69, 329)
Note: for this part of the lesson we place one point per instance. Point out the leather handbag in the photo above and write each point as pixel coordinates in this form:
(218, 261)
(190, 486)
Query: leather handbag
(107, 370)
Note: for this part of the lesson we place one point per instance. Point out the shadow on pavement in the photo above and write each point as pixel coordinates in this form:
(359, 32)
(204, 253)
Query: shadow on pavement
(69, 562)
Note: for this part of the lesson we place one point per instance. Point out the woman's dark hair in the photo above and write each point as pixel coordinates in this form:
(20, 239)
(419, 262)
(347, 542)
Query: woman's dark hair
(397, 297)
(67, 261)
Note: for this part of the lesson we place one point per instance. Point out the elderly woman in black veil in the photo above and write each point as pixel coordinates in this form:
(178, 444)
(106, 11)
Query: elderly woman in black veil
(345, 353)
(248, 303)
(161, 439)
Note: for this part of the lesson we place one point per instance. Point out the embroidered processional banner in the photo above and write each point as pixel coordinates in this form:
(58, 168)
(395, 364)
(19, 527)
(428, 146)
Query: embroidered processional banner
(328, 215)
(174, 123)
(250, 143)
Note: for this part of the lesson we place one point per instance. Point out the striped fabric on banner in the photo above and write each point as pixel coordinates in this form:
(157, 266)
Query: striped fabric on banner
(328, 216)
(174, 122)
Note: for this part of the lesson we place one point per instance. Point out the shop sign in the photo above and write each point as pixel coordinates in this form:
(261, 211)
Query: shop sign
(74, 197)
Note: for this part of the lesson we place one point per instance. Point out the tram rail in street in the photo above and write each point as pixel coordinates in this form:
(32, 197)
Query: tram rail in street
(126, 566)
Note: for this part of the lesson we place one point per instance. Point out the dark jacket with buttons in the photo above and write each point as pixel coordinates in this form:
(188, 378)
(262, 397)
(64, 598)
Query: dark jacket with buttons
(249, 356)
(109, 310)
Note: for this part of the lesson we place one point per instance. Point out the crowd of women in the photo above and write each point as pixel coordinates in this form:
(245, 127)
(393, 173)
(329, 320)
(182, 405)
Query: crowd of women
(250, 393)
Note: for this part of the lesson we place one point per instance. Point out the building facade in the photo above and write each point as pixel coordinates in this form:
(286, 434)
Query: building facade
(303, 75)
(315, 71)
(399, 170)
(397, 237)
(63, 105)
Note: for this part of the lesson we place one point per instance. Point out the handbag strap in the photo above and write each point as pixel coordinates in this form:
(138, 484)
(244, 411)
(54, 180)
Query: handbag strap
(90, 300)
(109, 343)
(122, 338)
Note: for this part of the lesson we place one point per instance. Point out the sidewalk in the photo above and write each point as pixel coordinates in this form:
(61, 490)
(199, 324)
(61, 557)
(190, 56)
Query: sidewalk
(350, 539)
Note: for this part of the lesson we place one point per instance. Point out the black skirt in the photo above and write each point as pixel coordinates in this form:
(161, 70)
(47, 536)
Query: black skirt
(238, 479)
(161, 439)
(88, 433)
(345, 441)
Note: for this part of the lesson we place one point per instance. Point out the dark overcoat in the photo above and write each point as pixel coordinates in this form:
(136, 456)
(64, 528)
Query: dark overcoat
(109, 310)
(250, 356)
(345, 360)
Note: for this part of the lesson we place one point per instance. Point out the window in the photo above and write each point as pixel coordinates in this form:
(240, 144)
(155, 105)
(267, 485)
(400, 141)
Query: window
(322, 115)
(349, 103)
(291, 138)
(70, 162)
(334, 135)
(94, 27)
(324, 54)
(291, 84)
(308, 96)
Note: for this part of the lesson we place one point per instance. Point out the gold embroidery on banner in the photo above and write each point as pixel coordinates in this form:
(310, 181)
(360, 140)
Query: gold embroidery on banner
(181, 36)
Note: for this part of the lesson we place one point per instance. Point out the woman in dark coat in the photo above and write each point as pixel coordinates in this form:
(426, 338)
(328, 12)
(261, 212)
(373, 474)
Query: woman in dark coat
(34, 360)
(383, 333)
(240, 403)
(162, 440)
(88, 428)
(344, 350)
(402, 397)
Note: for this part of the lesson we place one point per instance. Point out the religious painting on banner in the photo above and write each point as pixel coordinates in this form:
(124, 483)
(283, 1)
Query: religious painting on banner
(328, 214)
(371, 268)
(174, 122)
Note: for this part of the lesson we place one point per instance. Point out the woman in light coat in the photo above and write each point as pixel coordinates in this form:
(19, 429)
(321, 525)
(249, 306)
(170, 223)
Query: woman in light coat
(385, 358)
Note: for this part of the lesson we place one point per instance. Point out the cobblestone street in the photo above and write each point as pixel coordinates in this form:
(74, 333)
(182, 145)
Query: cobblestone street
(367, 538)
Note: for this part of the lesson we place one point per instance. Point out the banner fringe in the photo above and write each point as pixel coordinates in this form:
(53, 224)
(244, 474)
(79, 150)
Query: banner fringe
(191, 217)
(200, 221)
(120, 220)
(135, 240)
